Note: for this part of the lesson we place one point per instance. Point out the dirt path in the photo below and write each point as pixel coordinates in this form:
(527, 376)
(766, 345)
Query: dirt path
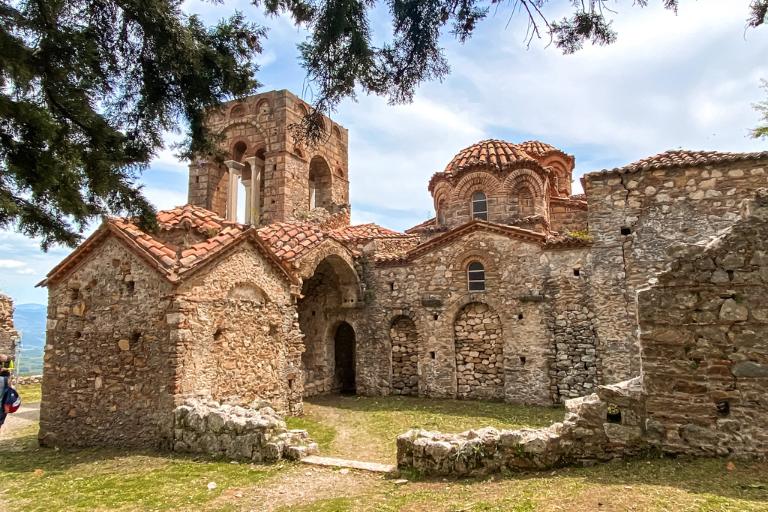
(27, 416)
(300, 485)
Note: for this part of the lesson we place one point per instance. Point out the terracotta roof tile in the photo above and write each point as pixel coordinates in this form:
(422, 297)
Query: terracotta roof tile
(363, 232)
(290, 240)
(679, 158)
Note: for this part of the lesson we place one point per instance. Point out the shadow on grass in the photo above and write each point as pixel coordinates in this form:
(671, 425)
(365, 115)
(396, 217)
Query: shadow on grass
(533, 416)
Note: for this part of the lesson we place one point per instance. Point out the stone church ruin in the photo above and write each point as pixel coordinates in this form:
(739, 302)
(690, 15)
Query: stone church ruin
(260, 290)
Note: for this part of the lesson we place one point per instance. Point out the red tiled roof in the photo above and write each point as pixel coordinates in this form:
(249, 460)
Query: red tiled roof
(290, 240)
(679, 158)
(363, 232)
(172, 262)
(494, 153)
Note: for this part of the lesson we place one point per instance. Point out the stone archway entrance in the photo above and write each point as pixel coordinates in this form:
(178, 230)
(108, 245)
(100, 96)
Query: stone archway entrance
(327, 297)
(344, 358)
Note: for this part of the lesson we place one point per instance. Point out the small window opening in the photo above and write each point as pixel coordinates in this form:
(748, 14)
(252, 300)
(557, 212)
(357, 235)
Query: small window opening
(218, 334)
(435, 316)
(522, 360)
(391, 286)
(432, 355)
(614, 414)
(135, 337)
(479, 206)
(626, 231)
(197, 179)
(131, 287)
(313, 313)
(78, 335)
(74, 294)
(290, 384)
(723, 407)
(577, 272)
(519, 316)
(476, 276)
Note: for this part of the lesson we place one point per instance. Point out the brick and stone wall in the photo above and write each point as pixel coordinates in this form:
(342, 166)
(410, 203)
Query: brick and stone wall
(704, 338)
(8, 334)
(634, 217)
(108, 375)
(263, 123)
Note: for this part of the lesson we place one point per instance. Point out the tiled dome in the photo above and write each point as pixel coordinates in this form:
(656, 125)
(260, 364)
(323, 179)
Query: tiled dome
(498, 154)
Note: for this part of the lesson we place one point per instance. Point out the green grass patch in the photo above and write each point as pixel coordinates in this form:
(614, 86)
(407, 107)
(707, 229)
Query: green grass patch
(37, 479)
(30, 393)
(368, 426)
(320, 433)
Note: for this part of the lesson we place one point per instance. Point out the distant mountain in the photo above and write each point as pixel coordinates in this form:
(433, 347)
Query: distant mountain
(29, 320)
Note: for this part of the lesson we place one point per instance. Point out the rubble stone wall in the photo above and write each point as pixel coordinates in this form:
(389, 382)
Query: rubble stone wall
(704, 338)
(8, 334)
(255, 434)
(634, 218)
(237, 336)
(479, 353)
(108, 374)
(405, 356)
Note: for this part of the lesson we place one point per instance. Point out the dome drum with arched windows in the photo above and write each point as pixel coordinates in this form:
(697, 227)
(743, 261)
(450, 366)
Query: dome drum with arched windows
(502, 182)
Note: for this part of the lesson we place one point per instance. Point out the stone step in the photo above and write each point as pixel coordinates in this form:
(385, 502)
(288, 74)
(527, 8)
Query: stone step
(333, 462)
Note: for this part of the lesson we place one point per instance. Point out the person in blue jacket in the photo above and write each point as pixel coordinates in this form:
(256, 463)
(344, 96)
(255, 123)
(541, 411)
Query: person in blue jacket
(5, 376)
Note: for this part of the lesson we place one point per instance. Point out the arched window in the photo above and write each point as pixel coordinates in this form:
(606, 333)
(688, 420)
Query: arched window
(476, 277)
(479, 206)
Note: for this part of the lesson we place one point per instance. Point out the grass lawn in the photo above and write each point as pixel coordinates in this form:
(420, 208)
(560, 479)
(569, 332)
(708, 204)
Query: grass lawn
(35, 479)
(366, 428)
(30, 393)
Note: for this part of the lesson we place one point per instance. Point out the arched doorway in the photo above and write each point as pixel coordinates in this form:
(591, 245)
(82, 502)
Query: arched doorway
(344, 358)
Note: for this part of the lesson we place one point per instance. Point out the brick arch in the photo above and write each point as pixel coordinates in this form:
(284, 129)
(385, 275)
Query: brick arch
(478, 180)
(248, 123)
(511, 182)
(479, 349)
(404, 339)
(249, 291)
(442, 192)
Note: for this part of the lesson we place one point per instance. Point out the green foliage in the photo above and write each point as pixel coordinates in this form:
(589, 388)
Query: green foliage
(581, 235)
(87, 89)
(761, 131)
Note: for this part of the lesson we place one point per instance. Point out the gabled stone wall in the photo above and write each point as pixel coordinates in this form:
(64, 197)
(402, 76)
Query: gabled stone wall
(108, 375)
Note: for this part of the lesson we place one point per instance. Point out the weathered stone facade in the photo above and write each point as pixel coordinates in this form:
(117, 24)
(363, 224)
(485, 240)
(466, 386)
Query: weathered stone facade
(516, 290)
(8, 334)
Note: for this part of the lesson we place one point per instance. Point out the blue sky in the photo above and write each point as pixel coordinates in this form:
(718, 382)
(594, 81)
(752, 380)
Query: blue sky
(671, 81)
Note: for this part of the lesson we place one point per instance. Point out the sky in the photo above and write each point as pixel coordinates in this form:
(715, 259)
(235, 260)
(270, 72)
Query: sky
(685, 80)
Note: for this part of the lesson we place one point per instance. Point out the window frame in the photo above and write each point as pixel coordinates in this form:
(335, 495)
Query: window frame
(476, 275)
(477, 214)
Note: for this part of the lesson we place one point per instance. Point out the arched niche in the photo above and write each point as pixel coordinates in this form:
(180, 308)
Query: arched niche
(320, 184)
(405, 355)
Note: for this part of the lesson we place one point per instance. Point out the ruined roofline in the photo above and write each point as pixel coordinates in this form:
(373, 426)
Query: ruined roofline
(680, 159)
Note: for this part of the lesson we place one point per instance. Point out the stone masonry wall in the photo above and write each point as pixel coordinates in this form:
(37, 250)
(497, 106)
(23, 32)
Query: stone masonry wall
(405, 356)
(704, 337)
(432, 291)
(108, 374)
(8, 334)
(634, 218)
(238, 338)
(479, 353)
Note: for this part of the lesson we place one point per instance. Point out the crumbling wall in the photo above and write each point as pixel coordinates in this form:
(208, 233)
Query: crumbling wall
(634, 217)
(108, 375)
(8, 334)
(256, 434)
(704, 338)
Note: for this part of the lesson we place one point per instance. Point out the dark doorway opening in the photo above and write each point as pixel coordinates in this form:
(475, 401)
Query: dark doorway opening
(344, 349)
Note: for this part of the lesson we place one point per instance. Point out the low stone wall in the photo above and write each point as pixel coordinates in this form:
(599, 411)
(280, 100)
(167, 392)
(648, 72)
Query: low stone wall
(604, 425)
(28, 379)
(237, 433)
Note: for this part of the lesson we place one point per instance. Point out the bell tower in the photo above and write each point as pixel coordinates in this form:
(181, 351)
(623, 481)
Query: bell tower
(267, 177)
